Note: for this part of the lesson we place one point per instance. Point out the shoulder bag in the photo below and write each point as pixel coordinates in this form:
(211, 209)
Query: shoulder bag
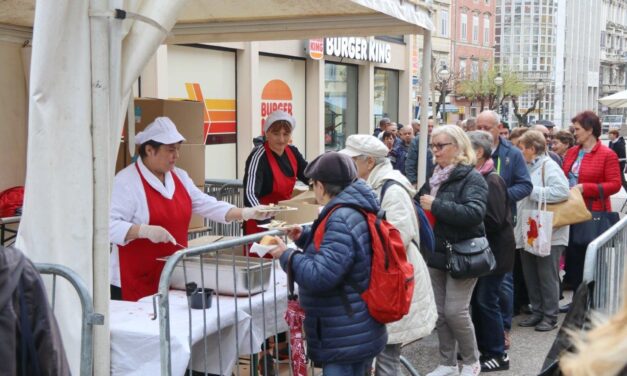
(571, 211)
(582, 234)
(471, 258)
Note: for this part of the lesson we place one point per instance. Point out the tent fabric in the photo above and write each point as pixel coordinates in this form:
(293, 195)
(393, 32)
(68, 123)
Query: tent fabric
(617, 100)
(57, 216)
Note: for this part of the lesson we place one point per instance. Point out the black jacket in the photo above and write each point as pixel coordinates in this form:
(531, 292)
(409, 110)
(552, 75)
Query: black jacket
(619, 148)
(21, 287)
(498, 224)
(459, 209)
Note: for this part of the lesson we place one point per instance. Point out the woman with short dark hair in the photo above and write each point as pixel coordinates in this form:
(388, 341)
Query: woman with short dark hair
(587, 166)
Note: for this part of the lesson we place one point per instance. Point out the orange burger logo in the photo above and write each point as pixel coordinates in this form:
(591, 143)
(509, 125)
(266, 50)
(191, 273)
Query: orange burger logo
(276, 95)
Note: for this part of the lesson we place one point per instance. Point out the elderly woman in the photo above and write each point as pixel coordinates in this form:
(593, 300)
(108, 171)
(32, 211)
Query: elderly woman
(369, 155)
(541, 273)
(587, 166)
(499, 230)
(332, 274)
(562, 141)
(456, 195)
(272, 168)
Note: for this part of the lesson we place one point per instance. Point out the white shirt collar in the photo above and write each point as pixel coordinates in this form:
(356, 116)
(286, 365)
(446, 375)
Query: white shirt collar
(167, 189)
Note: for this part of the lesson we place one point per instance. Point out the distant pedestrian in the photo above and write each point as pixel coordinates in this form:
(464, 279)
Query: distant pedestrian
(617, 144)
(383, 123)
(411, 161)
(562, 141)
(398, 154)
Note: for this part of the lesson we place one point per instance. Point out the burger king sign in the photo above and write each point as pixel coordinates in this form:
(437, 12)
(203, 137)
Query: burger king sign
(276, 95)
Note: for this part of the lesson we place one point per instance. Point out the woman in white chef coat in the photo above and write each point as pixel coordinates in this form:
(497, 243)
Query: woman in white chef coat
(151, 206)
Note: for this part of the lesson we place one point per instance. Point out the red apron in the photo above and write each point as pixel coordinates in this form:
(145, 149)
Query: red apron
(282, 186)
(139, 268)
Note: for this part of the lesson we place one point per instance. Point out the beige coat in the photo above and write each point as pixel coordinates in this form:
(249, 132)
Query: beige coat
(400, 212)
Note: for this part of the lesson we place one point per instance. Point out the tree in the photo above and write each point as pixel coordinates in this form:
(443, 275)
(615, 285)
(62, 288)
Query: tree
(484, 90)
(443, 87)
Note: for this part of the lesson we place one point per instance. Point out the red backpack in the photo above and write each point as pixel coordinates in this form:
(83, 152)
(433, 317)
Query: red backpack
(10, 200)
(391, 287)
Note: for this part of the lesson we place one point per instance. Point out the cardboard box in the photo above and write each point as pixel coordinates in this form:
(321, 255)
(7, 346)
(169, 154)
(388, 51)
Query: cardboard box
(123, 158)
(189, 116)
(307, 209)
(192, 160)
(196, 221)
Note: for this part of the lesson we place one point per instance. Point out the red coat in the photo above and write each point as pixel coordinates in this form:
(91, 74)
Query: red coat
(600, 166)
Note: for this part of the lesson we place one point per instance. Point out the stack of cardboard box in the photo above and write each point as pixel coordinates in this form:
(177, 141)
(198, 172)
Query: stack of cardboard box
(189, 119)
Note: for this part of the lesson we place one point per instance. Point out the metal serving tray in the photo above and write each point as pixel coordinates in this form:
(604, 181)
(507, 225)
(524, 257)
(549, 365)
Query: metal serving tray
(236, 275)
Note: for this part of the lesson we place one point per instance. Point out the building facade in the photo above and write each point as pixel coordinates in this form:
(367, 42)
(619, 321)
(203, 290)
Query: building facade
(472, 44)
(334, 87)
(441, 15)
(552, 46)
(613, 52)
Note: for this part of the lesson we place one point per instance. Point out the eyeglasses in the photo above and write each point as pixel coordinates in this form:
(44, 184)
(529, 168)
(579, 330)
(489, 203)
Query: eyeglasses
(439, 147)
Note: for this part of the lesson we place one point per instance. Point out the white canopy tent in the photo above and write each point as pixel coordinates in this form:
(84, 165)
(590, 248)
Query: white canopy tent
(85, 59)
(616, 100)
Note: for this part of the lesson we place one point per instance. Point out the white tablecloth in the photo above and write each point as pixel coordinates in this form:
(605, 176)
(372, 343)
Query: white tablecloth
(244, 324)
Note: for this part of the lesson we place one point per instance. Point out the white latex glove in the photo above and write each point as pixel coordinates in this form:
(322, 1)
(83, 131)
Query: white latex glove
(155, 234)
(255, 213)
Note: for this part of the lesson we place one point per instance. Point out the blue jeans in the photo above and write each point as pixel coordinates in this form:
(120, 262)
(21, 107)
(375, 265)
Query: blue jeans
(486, 315)
(506, 298)
(345, 369)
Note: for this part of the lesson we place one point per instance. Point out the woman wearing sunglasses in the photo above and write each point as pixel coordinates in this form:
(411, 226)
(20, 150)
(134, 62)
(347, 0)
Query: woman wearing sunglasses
(456, 194)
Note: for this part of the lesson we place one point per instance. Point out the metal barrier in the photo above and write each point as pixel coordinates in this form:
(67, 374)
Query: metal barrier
(241, 319)
(605, 262)
(8, 230)
(228, 190)
(90, 318)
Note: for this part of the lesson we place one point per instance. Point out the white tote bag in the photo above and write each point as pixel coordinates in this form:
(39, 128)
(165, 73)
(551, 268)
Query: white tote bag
(538, 229)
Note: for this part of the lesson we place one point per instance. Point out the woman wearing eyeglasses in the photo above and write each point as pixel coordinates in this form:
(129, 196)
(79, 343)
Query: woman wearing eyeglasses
(456, 195)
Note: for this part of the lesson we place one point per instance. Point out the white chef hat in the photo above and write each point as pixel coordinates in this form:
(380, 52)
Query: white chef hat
(161, 130)
(364, 144)
(278, 116)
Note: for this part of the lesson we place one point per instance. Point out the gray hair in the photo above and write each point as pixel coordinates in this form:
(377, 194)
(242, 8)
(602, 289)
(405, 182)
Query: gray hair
(481, 140)
(377, 160)
(494, 114)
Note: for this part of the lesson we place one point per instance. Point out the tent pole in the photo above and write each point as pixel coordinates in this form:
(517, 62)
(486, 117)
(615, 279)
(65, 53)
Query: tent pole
(424, 105)
(100, 87)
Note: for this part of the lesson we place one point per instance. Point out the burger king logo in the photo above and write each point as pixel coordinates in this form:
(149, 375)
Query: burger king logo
(276, 95)
(316, 48)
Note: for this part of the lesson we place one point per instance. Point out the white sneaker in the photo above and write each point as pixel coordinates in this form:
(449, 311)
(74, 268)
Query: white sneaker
(444, 371)
(471, 369)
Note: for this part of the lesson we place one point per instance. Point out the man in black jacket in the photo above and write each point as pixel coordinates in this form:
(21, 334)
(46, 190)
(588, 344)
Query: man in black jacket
(617, 143)
(27, 321)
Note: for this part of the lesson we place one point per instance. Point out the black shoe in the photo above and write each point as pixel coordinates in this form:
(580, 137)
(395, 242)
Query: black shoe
(565, 308)
(546, 326)
(530, 321)
(497, 363)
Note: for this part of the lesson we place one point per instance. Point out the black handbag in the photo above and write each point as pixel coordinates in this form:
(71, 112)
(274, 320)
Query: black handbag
(581, 234)
(471, 258)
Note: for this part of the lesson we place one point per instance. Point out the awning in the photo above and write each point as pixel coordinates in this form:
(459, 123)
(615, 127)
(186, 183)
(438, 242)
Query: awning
(617, 100)
(205, 21)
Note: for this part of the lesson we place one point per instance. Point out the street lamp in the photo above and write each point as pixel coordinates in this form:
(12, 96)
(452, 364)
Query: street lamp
(444, 75)
(498, 81)
(540, 88)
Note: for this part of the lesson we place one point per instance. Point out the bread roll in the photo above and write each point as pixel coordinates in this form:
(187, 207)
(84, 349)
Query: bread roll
(268, 240)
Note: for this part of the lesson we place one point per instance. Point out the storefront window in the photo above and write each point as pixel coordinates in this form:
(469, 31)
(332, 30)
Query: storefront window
(340, 104)
(385, 94)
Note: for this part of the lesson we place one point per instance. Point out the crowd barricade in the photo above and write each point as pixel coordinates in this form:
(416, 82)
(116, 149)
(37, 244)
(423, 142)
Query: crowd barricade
(231, 191)
(8, 230)
(89, 317)
(604, 265)
(235, 334)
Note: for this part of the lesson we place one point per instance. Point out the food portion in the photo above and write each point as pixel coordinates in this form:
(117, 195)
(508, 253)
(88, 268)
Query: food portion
(268, 240)
(274, 207)
(275, 223)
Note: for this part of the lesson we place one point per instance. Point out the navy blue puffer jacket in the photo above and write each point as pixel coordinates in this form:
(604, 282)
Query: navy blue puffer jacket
(345, 255)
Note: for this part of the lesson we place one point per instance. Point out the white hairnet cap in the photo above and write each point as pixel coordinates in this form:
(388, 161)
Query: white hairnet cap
(162, 130)
(277, 116)
(364, 144)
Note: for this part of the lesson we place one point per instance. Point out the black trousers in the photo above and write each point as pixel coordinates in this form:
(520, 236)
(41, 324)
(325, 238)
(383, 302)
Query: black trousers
(116, 292)
(575, 259)
(521, 298)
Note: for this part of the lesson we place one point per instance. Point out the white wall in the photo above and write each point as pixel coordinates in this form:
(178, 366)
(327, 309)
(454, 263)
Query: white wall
(14, 110)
